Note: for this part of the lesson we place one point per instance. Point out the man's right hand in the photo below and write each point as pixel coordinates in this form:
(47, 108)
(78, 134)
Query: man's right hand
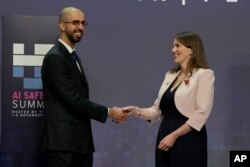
(117, 114)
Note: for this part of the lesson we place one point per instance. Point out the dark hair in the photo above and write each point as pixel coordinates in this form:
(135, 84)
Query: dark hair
(193, 41)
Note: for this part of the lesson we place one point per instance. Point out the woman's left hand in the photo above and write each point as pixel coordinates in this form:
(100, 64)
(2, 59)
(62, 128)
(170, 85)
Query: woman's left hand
(167, 142)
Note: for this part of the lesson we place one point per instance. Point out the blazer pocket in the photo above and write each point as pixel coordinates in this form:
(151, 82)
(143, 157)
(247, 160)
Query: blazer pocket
(67, 118)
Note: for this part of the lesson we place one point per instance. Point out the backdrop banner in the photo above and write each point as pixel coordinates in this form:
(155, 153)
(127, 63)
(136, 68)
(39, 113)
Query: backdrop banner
(26, 39)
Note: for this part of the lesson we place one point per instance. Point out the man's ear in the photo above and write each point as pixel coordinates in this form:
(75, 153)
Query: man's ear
(62, 26)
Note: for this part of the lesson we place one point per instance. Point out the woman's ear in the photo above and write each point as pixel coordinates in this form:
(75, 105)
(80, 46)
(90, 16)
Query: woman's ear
(190, 51)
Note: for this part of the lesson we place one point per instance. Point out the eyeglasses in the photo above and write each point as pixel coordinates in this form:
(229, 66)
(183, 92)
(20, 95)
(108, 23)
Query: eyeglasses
(77, 22)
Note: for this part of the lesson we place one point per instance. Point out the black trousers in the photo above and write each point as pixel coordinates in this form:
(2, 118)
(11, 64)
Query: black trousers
(68, 159)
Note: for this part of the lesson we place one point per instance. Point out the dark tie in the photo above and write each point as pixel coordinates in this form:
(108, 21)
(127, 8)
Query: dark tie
(74, 56)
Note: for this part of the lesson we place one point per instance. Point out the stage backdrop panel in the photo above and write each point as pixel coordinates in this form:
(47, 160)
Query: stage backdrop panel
(26, 39)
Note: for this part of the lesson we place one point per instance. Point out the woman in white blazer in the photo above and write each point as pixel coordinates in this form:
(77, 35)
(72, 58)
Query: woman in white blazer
(184, 104)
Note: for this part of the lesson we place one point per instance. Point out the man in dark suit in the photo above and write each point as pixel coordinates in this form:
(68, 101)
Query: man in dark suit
(67, 135)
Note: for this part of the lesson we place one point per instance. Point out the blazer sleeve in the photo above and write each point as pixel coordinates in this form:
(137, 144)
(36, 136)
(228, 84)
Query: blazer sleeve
(203, 101)
(57, 75)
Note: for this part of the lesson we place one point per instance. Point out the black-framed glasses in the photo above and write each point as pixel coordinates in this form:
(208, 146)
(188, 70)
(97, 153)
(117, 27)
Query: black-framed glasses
(77, 22)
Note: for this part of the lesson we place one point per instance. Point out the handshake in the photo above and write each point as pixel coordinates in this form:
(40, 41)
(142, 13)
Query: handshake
(120, 115)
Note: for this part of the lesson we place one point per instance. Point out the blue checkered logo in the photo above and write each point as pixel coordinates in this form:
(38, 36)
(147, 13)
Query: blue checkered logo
(21, 60)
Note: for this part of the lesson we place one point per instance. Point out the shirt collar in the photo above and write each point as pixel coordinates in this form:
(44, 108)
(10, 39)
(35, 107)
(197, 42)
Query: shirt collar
(67, 46)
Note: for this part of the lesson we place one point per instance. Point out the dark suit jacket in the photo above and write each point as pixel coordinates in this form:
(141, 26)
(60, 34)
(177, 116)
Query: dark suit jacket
(68, 110)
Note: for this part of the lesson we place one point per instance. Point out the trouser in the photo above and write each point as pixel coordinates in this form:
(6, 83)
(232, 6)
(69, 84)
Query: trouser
(69, 159)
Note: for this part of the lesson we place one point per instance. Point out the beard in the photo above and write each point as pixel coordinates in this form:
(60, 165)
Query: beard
(75, 36)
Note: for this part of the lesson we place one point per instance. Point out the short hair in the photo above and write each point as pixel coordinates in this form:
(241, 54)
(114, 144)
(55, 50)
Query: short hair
(65, 12)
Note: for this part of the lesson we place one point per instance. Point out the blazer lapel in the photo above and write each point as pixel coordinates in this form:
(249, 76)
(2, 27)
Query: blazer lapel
(167, 82)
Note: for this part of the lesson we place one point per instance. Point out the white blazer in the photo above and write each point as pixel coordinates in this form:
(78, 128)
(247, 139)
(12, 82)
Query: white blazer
(193, 99)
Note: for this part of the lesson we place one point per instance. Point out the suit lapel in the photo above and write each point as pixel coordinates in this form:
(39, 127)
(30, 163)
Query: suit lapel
(82, 73)
(65, 52)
